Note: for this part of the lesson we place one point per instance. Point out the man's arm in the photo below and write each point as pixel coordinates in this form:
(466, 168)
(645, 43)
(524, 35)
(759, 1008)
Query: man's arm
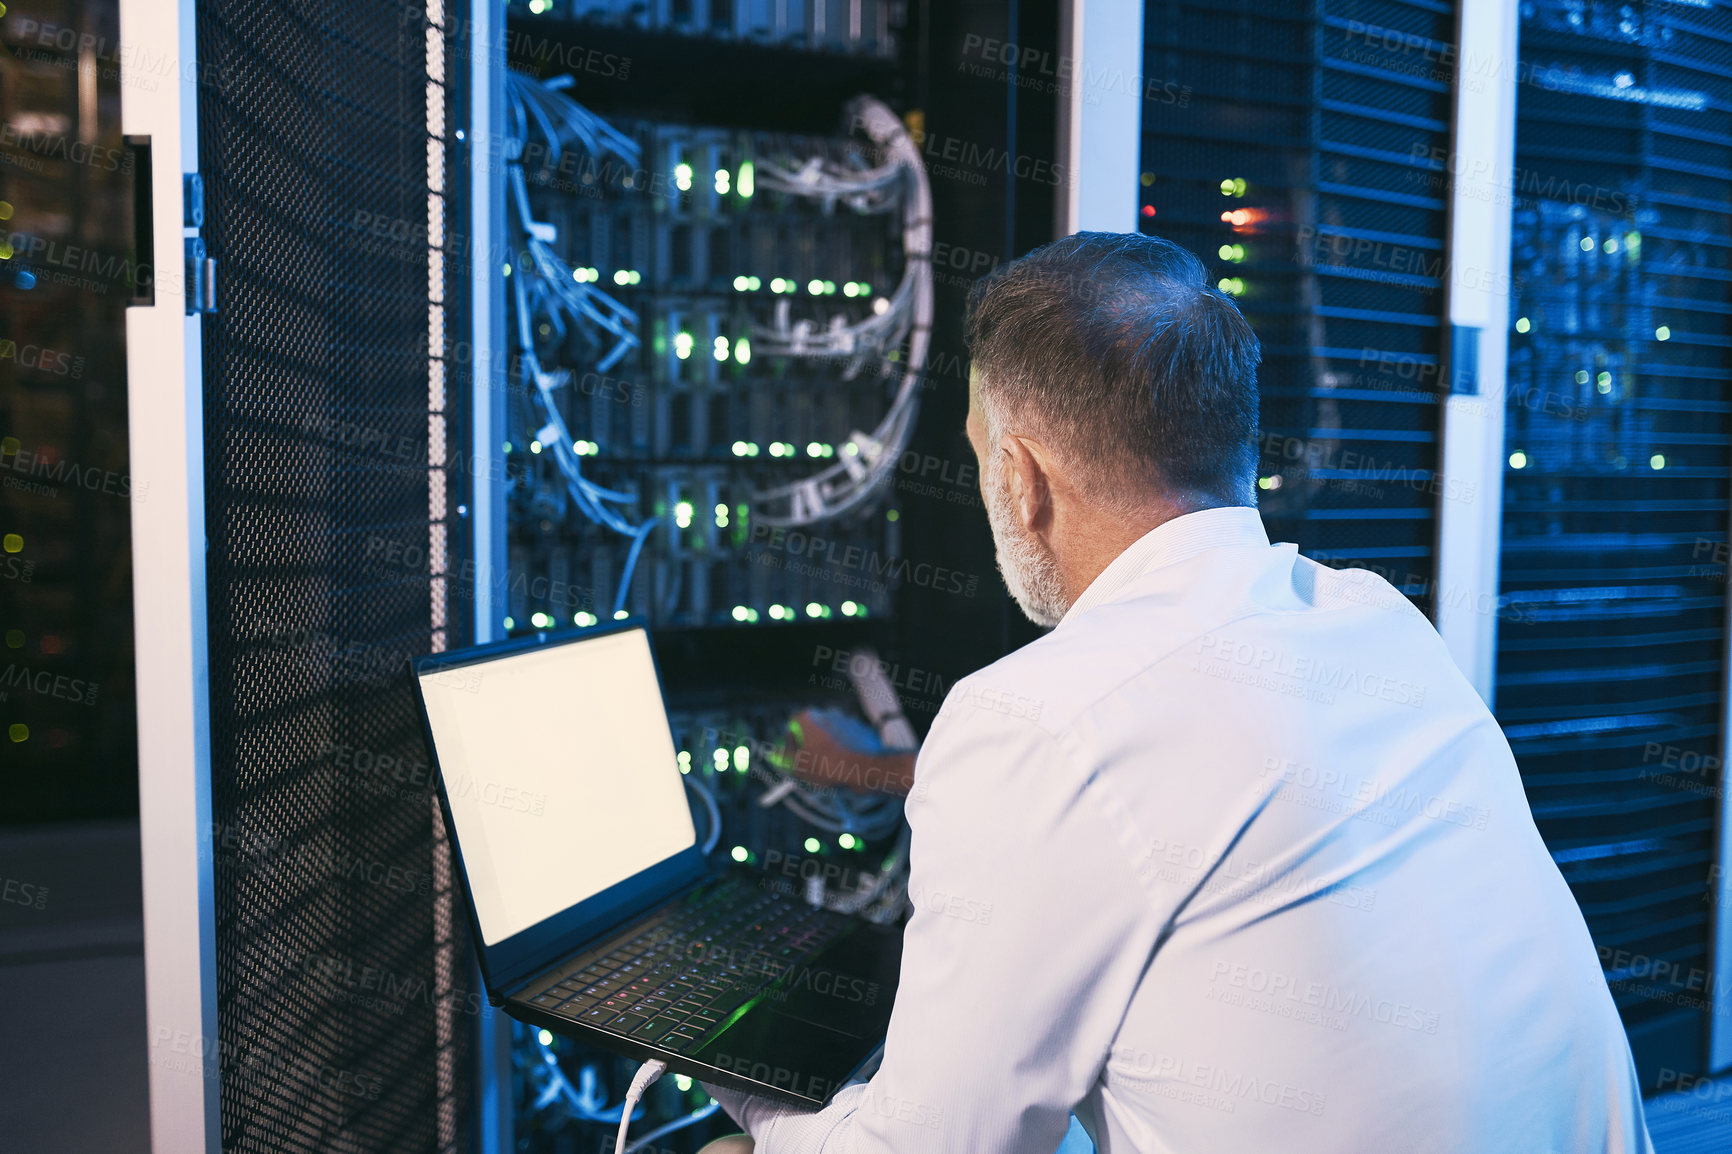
(822, 748)
(1030, 934)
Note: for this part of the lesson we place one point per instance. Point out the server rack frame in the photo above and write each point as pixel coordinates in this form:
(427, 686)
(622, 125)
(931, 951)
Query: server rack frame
(165, 383)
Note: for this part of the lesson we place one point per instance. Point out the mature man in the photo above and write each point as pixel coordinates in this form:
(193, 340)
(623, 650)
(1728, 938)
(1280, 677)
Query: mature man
(1233, 859)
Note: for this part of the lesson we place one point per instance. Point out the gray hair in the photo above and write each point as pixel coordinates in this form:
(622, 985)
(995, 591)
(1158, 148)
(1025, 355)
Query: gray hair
(1128, 363)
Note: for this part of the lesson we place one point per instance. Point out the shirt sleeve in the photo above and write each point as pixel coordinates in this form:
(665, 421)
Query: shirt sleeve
(1029, 935)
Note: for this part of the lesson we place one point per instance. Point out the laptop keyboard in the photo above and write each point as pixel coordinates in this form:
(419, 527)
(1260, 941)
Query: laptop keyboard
(675, 984)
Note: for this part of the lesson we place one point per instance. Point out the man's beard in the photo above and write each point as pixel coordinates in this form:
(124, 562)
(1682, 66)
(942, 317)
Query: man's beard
(1030, 570)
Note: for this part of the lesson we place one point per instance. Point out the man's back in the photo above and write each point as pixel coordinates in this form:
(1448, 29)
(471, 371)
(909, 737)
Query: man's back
(1360, 941)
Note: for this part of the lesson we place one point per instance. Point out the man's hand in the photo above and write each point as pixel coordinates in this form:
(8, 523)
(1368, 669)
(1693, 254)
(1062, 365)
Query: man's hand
(828, 748)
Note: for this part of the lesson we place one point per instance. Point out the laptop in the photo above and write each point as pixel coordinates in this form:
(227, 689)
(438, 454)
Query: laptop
(596, 913)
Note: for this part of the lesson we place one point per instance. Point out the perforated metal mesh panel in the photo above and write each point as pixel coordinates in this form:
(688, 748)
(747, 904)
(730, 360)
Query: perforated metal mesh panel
(1296, 147)
(343, 1002)
(1615, 512)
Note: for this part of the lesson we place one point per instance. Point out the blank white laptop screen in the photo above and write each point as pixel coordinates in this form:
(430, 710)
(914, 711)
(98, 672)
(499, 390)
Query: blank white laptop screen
(560, 772)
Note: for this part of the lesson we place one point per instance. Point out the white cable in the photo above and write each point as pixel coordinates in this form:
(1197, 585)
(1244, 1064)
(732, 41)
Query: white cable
(641, 1081)
(709, 799)
(867, 458)
(547, 287)
(697, 1115)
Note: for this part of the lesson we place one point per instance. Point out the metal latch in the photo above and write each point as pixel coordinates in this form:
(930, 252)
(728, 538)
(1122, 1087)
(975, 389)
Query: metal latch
(200, 267)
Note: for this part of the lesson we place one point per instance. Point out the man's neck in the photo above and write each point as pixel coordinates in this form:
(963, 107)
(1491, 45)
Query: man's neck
(1093, 543)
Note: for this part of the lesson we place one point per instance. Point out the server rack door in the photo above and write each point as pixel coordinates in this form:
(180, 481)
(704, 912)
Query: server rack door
(343, 996)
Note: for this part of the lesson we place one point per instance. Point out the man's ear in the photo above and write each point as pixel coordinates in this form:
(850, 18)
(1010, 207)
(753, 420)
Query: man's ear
(1031, 486)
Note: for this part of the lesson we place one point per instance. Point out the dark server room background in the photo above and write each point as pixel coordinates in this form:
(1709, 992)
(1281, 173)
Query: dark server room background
(701, 326)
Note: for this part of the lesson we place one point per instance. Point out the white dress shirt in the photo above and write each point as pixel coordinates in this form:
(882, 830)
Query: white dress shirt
(1234, 859)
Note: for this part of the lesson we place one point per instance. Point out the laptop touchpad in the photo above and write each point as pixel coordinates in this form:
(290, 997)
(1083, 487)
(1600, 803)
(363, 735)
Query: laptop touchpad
(843, 989)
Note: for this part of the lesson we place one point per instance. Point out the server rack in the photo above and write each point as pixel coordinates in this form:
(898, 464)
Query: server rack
(751, 370)
(1560, 509)
(66, 491)
(1612, 646)
(1300, 150)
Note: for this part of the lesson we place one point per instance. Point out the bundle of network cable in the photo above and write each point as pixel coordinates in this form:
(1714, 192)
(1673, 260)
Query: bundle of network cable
(546, 291)
(904, 318)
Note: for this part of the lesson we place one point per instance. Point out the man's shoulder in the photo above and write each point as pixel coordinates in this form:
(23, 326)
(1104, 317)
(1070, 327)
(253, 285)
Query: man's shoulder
(1058, 678)
(1052, 680)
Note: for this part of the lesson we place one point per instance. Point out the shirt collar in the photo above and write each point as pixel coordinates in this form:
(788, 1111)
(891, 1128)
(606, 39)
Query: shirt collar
(1168, 543)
